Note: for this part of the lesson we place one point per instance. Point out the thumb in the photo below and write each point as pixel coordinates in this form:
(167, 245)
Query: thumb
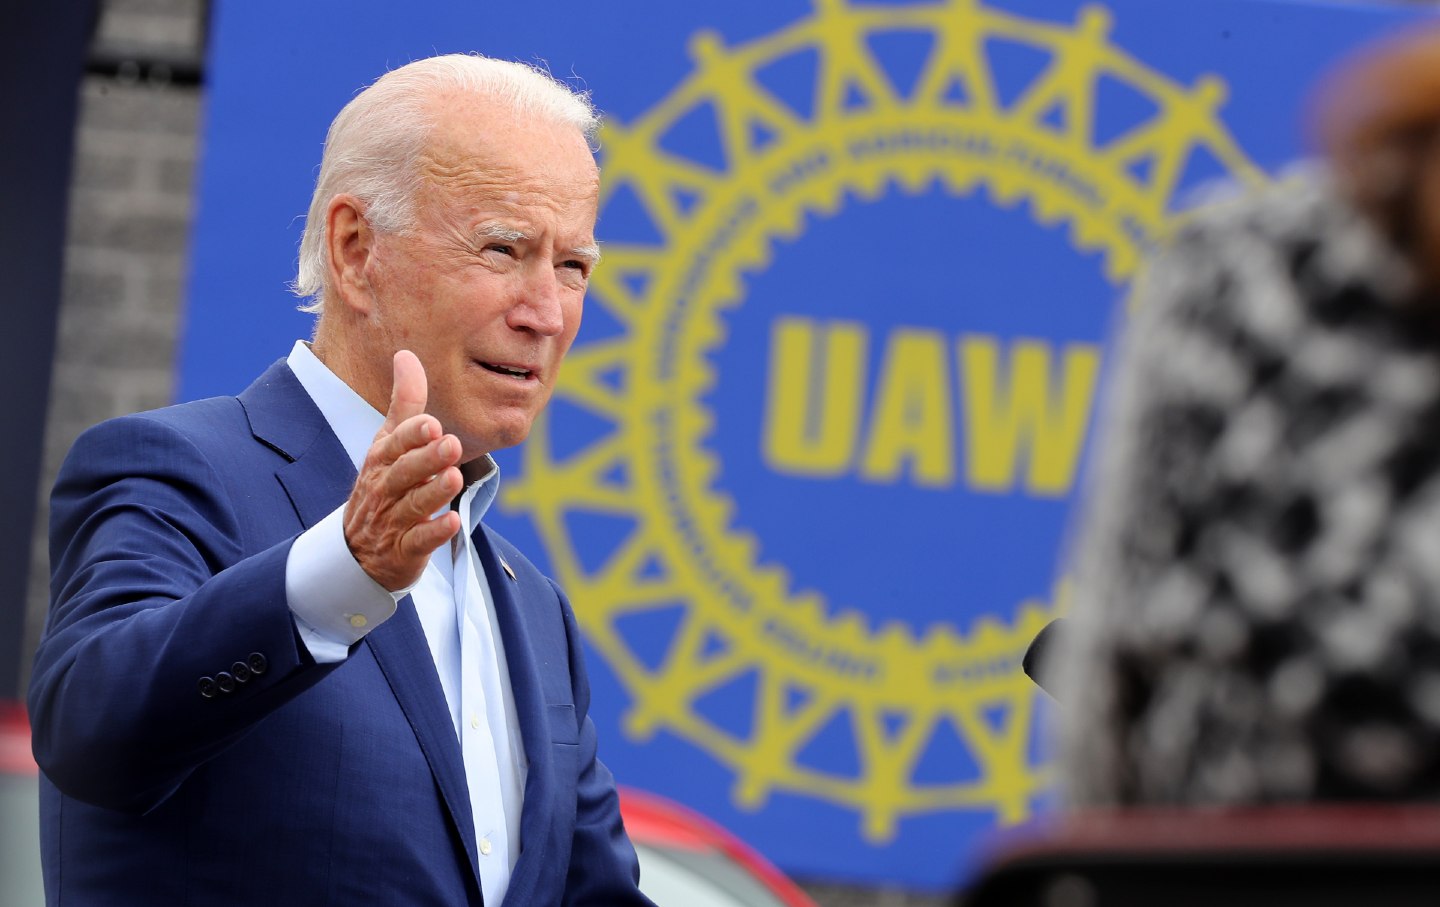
(408, 391)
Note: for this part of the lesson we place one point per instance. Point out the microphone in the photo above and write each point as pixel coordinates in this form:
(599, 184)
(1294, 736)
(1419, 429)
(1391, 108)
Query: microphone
(1040, 658)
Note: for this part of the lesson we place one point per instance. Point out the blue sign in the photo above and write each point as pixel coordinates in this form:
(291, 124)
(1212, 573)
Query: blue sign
(807, 472)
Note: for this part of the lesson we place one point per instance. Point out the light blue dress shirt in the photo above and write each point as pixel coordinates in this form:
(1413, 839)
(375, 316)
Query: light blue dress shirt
(336, 603)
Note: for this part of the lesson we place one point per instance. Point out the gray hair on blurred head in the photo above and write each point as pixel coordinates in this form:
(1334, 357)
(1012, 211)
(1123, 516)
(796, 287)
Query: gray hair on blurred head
(375, 143)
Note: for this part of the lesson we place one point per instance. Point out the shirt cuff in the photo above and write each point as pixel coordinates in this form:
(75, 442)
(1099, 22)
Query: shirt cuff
(334, 601)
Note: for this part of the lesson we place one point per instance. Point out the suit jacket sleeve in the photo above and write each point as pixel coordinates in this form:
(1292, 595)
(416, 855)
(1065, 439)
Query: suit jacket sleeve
(150, 593)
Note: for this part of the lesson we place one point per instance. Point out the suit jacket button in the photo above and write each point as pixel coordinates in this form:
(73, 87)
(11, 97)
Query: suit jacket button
(241, 671)
(258, 663)
(207, 687)
(225, 682)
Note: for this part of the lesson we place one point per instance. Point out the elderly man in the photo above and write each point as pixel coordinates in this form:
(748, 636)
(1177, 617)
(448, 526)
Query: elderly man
(286, 662)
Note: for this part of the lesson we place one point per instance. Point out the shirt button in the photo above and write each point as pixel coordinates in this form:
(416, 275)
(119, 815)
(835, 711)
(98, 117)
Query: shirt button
(484, 847)
(258, 663)
(358, 620)
(475, 721)
(241, 670)
(207, 687)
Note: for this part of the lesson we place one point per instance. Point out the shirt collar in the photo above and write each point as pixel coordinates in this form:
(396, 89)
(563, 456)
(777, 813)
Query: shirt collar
(355, 422)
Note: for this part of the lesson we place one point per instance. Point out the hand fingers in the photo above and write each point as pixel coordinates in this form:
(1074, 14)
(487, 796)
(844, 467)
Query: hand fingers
(423, 538)
(393, 442)
(408, 392)
(418, 465)
(420, 502)
(391, 521)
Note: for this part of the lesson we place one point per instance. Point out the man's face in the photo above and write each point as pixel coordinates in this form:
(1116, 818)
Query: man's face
(487, 288)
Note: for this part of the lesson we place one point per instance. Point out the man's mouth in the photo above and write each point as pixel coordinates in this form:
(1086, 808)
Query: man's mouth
(512, 371)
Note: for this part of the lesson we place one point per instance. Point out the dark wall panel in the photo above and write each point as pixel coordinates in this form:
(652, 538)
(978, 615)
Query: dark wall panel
(42, 57)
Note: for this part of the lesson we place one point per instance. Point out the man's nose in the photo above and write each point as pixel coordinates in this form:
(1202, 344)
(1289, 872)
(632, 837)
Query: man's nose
(538, 308)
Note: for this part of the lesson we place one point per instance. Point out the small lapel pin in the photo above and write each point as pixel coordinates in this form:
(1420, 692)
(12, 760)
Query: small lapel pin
(509, 571)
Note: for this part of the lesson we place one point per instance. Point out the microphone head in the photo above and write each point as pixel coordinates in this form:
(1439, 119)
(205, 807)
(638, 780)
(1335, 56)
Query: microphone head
(1040, 659)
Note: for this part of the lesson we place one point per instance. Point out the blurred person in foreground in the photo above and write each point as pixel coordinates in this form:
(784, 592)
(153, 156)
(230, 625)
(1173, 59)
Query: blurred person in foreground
(1257, 579)
(285, 661)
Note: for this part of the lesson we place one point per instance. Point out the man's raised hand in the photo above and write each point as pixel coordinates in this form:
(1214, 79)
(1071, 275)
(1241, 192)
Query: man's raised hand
(409, 473)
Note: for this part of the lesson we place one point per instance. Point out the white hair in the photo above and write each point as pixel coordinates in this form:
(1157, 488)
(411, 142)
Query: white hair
(375, 144)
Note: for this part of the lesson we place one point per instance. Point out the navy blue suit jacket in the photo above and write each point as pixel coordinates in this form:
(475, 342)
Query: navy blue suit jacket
(304, 784)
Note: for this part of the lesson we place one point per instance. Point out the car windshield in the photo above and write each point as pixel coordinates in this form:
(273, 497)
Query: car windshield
(19, 844)
(699, 879)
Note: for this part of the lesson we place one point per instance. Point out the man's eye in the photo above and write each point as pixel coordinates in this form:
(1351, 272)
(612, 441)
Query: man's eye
(501, 248)
(578, 266)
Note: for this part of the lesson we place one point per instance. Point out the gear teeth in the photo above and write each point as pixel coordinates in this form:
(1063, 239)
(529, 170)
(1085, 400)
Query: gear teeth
(789, 226)
(747, 545)
(940, 641)
(959, 183)
(1032, 615)
(1085, 233)
(987, 633)
(913, 181)
(754, 252)
(870, 186)
(809, 607)
(703, 382)
(957, 664)
(711, 333)
(1120, 267)
(773, 583)
(896, 636)
(851, 626)
(725, 512)
(1045, 210)
(1005, 190)
(706, 469)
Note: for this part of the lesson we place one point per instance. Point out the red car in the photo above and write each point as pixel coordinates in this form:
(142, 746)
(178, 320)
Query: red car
(685, 858)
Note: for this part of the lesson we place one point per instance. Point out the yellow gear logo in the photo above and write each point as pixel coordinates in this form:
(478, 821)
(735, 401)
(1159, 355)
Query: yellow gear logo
(862, 138)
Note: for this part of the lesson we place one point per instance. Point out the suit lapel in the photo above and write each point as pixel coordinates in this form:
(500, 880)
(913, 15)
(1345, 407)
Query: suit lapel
(528, 690)
(404, 657)
(319, 474)
(318, 478)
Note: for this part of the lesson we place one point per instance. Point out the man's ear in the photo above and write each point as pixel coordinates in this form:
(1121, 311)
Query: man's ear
(350, 242)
